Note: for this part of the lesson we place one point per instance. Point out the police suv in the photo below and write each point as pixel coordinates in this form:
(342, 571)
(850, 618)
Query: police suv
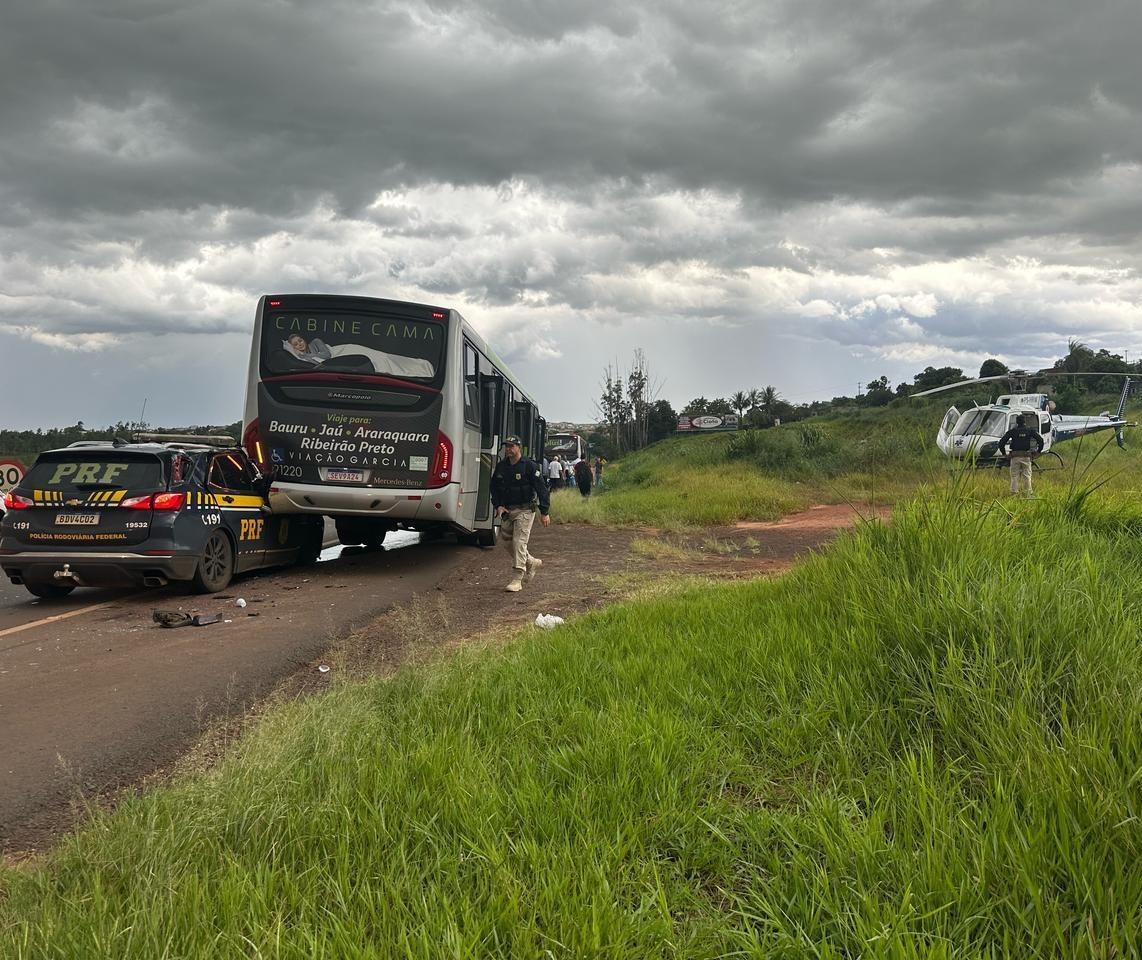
(159, 508)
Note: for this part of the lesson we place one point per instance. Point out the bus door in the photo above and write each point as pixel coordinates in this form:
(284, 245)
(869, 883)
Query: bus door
(491, 424)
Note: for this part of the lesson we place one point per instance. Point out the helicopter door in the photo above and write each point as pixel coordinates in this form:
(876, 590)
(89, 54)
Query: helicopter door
(1045, 432)
(944, 437)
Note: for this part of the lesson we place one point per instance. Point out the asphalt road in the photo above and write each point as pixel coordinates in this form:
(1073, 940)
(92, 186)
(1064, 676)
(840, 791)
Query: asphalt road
(94, 695)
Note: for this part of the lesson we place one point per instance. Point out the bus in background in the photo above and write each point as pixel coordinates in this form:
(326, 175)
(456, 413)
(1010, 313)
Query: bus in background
(381, 414)
(569, 447)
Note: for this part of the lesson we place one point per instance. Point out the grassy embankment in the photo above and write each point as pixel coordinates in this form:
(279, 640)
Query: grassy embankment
(924, 742)
(875, 458)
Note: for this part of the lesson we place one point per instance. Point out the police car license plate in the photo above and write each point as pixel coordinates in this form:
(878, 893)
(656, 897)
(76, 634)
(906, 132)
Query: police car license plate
(67, 519)
(347, 476)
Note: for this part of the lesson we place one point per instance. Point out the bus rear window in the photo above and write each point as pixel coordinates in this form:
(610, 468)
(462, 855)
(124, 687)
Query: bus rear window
(321, 341)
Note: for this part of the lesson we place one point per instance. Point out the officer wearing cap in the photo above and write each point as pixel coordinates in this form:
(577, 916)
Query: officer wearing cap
(518, 491)
(1025, 443)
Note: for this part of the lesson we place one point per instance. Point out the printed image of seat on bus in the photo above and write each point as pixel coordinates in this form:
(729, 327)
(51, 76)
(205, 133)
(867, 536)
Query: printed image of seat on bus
(382, 414)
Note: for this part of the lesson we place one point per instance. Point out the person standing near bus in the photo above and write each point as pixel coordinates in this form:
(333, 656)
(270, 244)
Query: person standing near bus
(518, 492)
(583, 476)
(554, 473)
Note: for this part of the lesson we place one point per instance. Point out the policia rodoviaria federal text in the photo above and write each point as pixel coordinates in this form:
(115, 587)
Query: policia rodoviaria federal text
(518, 492)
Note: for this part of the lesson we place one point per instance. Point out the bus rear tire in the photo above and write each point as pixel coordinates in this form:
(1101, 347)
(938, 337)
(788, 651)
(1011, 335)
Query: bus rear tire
(488, 538)
(366, 532)
(310, 550)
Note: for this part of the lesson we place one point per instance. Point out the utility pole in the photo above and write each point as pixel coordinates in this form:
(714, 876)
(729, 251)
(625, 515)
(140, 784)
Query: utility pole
(858, 387)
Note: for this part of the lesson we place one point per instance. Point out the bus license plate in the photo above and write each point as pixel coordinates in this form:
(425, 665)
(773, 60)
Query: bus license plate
(87, 519)
(346, 476)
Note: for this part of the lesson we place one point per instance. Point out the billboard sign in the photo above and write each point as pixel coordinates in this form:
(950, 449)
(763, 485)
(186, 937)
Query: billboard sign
(707, 423)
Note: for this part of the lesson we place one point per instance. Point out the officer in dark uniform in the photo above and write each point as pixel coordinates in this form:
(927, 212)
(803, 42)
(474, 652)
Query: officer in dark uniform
(518, 491)
(1025, 443)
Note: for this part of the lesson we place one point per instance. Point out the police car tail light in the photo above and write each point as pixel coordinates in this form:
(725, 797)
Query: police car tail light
(441, 472)
(13, 501)
(154, 501)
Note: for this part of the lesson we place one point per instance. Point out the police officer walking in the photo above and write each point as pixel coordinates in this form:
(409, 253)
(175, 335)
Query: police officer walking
(518, 491)
(1025, 444)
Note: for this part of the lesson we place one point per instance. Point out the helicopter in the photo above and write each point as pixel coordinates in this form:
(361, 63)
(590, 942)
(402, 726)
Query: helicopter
(976, 432)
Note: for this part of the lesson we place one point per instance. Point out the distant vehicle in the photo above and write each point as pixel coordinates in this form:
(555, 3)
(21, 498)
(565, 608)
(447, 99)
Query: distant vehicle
(102, 514)
(975, 433)
(381, 414)
(567, 446)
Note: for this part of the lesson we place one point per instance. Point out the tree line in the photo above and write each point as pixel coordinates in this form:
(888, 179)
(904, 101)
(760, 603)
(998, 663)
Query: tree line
(27, 444)
(631, 415)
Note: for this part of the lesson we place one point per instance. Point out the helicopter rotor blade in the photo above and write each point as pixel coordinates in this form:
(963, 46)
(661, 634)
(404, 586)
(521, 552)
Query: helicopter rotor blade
(1020, 375)
(959, 383)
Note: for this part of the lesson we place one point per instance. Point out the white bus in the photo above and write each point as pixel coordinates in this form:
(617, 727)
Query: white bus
(569, 447)
(381, 414)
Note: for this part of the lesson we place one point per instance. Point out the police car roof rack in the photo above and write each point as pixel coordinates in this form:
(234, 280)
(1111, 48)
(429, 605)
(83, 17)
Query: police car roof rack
(185, 439)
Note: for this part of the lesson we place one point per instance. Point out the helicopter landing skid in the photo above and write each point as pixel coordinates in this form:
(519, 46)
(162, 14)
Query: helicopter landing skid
(1054, 462)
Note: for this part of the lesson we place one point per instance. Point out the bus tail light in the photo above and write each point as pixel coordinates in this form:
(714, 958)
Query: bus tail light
(252, 443)
(441, 473)
(13, 501)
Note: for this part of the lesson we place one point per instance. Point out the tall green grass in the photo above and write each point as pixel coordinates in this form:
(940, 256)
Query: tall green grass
(873, 458)
(924, 742)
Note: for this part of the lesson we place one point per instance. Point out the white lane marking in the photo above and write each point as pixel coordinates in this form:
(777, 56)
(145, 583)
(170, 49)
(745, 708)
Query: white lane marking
(58, 616)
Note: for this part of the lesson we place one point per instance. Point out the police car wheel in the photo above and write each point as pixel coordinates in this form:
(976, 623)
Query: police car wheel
(50, 591)
(215, 566)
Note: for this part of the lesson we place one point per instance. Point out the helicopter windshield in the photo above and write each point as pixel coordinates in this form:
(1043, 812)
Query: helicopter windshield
(987, 423)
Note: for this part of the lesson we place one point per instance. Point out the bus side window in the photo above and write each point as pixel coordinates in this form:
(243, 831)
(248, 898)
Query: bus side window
(522, 424)
(471, 386)
(491, 406)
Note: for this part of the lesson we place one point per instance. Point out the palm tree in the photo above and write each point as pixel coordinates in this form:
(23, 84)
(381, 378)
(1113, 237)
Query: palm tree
(739, 401)
(769, 398)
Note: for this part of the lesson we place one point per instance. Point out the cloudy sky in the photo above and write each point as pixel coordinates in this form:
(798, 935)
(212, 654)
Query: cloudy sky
(804, 193)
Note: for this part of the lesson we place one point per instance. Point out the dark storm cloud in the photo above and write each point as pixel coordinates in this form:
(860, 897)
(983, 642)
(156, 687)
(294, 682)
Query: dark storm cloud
(267, 105)
(888, 176)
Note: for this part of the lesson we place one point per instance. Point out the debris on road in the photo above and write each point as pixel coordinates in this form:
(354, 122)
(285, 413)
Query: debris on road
(177, 618)
(548, 621)
(324, 668)
(239, 602)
